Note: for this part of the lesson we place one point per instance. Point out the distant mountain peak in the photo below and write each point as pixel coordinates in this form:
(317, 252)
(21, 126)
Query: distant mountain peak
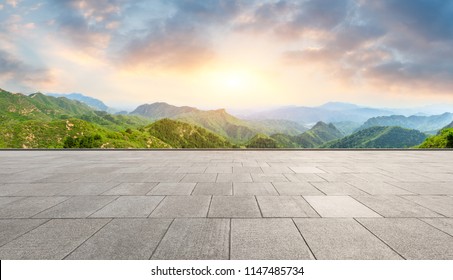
(90, 101)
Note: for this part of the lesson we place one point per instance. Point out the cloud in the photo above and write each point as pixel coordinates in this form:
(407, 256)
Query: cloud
(184, 39)
(21, 75)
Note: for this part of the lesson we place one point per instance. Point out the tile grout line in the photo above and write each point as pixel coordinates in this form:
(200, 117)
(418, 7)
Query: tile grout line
(421, 219)
(374, 211)
(157, 206)
(209, 206)
(87, 239)
(162, 238)
(89, 216)
(391, 248)
(67, 198)
(259, 207)
(443, 216)
(311, 183)
(303, 238)
(17, 237)
(229, 241)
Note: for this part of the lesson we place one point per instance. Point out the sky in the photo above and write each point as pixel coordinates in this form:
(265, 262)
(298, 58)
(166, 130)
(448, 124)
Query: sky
(231, 53)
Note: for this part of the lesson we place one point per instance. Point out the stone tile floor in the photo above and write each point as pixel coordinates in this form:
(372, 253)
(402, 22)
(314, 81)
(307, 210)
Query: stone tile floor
(226, 204)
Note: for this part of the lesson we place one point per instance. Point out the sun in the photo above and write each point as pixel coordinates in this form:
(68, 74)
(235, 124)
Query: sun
(235, 81)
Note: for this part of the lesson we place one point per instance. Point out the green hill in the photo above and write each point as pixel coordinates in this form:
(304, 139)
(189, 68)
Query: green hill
(318, 135)
(262, 141)
(422, 123)
(380, 137)
(444, 139)
(183, 135)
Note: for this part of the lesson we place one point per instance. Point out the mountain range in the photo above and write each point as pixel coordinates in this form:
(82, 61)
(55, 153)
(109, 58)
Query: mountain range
(44, 121)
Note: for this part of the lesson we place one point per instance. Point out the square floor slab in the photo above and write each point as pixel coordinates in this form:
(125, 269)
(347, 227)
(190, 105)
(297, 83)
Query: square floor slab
(306, 169)
(183, 206)
(13, 228)
(234, 177)
(254, 189)
(172, 189)
(443, 224)
(164, 177)
(129, 206)
(304, 177)
(28, 207)
(342, 239)
(267, 239)
(52, 240)
(76, 207)
(131, 189)
(213, 189)
(195, 239)
(42, 189)
(269, 177)
(395, 206)
(123, 239)
(337, 188)
(378, 188)
(440, 204)
(78, 188)
(285, 206)
(412, 238)
(427, 188)
(199, 178)
(339, 206)
(234, 207)
(296, 188)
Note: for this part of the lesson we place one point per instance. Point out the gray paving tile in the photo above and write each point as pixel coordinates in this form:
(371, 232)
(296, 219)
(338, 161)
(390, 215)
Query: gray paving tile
(443, 224)
(306, 169)
(234, 177)
(285, 206)
(131, 189)
(219, 169)
(99, 178)
(234, 207)
(270, 177)
(129, 206)
(296, 188)
(28, 207)
(13, 228)
(440, 204)
(195, 239)
(247, 169)
(304, 177)
(276, 170)
(263, 239)
(412, 238)
(42, 189)
(254, 189)
(76, 207)
(339, 206)
(337, 188)
(395, 206)
(12, 189)
(123, 239)
(199, 178)
(53, 240)
(342, 239)
(164, 177)
(191, 169)
(213, 189)
(378, 188)
(172, 189)
(182, 206)
(7, 200)
(78, 188)
(427, 188)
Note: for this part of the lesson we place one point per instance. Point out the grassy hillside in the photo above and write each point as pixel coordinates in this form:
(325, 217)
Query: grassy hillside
(262, 141)
(421, 123)
(318, 135)
(380, 137)
(183, 135)
(444, 139)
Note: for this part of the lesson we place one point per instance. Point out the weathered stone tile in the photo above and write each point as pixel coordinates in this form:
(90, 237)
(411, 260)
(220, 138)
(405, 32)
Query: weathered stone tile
(339, 206)
(52, 240)
(440, 204)
(337, 188)
(285, 206)
(131, 189)
(341, 239)
(129, 206)
(76, 207)
(123, 239)
(265, 178)
(195, 239)
(443, 224)
(191, 169)
(28, 207)
(234, 177)
(219, 169)
(13, 228)
(247, 169)
(296, 188)
(213, 189)
(378, 188)
(182, 206)
(306, 169)
(78, 188)
(199, 178)
(172, 189)
(412, 238)
(261, 239)
(395, 206)
(254, 189)
(426, 188)
(234, 207)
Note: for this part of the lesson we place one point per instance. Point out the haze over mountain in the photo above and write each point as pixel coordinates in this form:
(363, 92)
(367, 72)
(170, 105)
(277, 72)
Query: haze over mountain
(90, 101)
(380, 137)
(429, 124)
